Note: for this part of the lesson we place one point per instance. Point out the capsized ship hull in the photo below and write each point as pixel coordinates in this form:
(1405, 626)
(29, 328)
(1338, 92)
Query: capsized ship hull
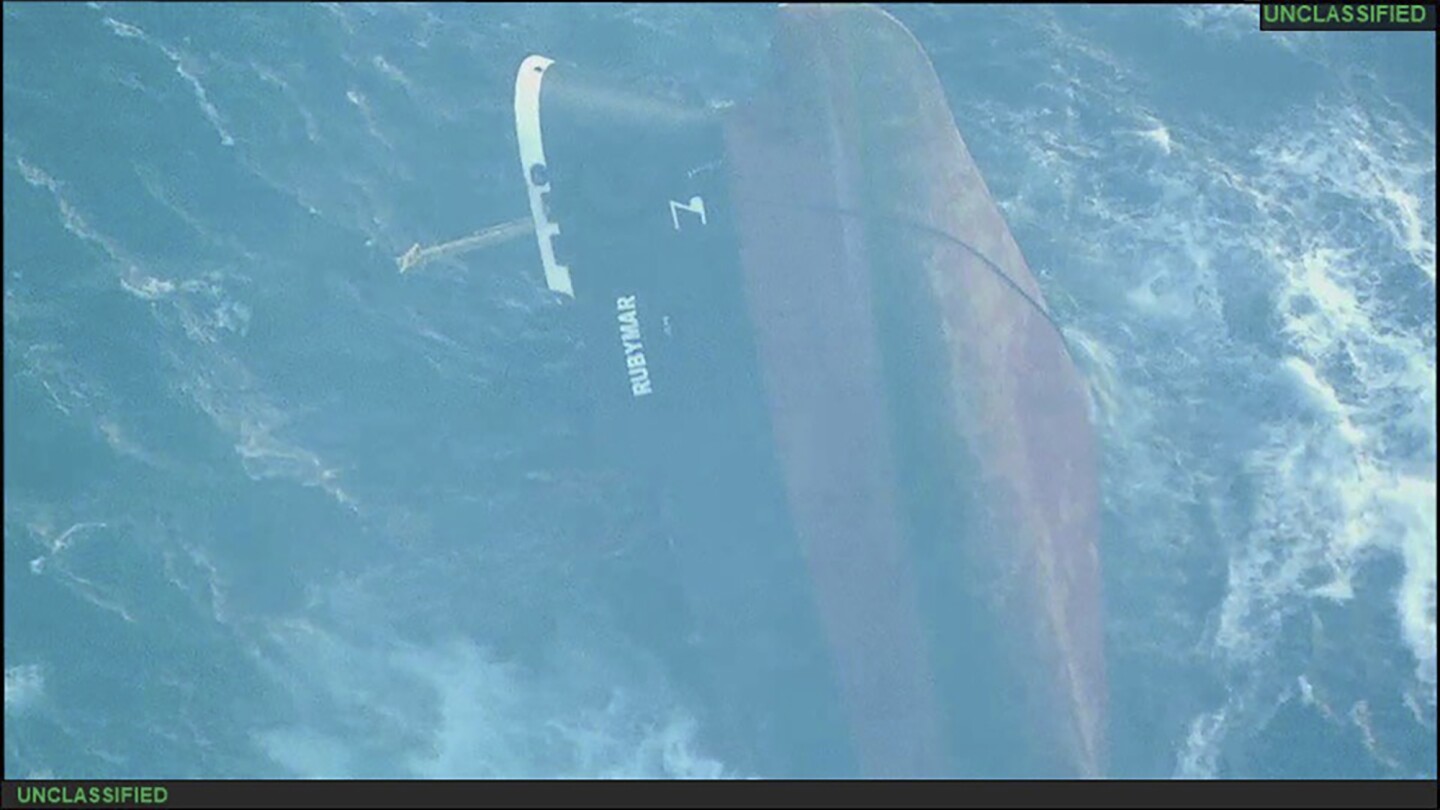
(817, 349)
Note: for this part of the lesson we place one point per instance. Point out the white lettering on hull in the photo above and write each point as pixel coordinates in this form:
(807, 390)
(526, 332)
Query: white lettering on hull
(635, 366)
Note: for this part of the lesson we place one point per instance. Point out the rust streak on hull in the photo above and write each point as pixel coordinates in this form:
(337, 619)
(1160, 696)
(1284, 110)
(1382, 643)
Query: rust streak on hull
(853, 313)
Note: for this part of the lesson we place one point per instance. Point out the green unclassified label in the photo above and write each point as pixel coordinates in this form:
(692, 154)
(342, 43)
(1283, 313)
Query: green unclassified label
(1346, 17)
(51, 794)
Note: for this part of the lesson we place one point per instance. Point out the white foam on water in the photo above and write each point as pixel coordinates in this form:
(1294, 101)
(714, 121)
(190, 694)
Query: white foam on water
(392, 72)
(271, 76)
(1352, 475)
(57, 563)
(228, 394)
(1200, 750)
(24, 687)
(186, 72)
(132, 278)
(361, 103)
(450, 710)
(202, 309)
(496, 720)
(123, 30)
(1156, 133)
(1327, 220)
(100, 595)
(185, 67)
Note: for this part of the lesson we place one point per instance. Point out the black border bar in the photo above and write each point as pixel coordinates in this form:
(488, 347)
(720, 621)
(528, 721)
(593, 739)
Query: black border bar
(668, 794)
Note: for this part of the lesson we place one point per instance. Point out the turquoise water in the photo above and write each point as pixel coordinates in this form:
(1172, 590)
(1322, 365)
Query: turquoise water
(272, 509)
